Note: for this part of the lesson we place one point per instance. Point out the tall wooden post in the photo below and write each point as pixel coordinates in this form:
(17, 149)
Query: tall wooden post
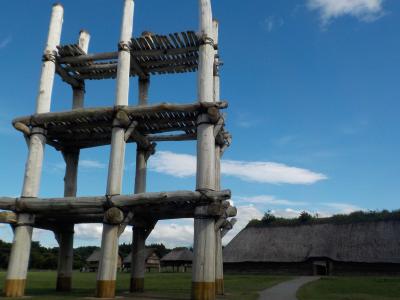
(203, 276)
(139, 232)
(65, 235)
(138, 259)
(219, 268)
(107, 272)
(20, 251)
(79, 92)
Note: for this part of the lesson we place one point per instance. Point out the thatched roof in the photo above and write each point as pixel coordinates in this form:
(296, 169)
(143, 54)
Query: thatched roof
(178, 254)
(369, 242)
(149, 252)
(95, 256)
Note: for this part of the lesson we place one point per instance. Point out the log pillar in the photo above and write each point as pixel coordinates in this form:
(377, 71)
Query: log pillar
(65, 239)
(203, 273)
(107, 272)
(138, 261)
(219, 267)
(65, 236)
(20, 251)
(78, 95)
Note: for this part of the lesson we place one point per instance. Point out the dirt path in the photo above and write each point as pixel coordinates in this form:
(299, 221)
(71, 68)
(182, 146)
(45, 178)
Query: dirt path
(286, 290)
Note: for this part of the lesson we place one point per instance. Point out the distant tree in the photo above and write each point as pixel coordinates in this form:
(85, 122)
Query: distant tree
(160, 249)
(305, 217)
(268, 218)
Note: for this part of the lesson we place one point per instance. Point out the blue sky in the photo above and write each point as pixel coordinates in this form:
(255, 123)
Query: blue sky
(313, 87)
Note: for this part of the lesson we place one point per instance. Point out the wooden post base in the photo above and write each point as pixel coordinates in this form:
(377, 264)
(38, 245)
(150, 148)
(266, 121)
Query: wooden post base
(14, 287)
(63, 284)
(219, 286)
(203, 291)
(137, 285)
(105, 289)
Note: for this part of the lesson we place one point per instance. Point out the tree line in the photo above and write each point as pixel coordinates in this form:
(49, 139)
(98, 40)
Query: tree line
(305, 218)
(46, 258)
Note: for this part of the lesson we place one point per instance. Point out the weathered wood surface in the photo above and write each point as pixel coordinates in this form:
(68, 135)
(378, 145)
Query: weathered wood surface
(104, 112)
(107, 271)
(96, 204)
(203, 272)
(150, 53)
(228, 226)
(78, 93)
(90, 127)
(8, 217)
(19, 255)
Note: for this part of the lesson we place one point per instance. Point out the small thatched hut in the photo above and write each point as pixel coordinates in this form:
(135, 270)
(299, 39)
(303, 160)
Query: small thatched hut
(93, 261)
(180, 259)
(357, 248)
(152, 260)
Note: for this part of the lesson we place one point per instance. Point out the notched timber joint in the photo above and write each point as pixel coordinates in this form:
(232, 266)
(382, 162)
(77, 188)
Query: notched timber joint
(219, 126)
(149, 151)
(124, 46)
(50, 56)
(108, 203)
(81, 86)
(125, 222)
(206, 40)
(208, 195)
(212, 116)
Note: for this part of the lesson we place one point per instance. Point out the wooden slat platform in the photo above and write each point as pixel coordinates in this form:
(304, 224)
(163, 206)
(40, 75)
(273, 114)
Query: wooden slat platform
(91, 127)
(151, 54)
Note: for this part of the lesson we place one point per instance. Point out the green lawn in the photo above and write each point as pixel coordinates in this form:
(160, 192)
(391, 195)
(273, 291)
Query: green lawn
(352, 288)
(173, 285)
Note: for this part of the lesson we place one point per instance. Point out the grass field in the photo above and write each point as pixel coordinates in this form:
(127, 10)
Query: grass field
(168, 285)
(351, 288)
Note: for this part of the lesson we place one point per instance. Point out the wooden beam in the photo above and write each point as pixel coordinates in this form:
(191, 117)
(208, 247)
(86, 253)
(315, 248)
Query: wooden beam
(8, 217)
(114, 55)
(66, 77)
(68, 116)
(96, 203)
(87, 58)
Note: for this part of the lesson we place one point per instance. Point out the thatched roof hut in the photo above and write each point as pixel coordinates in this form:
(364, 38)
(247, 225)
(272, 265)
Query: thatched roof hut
(152, 259)
(337, 247)
(94, 258)
(178, 257)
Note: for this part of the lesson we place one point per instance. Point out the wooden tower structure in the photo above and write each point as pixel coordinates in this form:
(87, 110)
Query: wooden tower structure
(143, 124)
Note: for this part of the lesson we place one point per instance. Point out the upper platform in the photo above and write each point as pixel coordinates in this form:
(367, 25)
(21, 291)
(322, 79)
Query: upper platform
(91, 127)
(151, 54)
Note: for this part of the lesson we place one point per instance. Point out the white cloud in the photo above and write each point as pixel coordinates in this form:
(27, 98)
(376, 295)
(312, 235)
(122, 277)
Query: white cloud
(287, 213)
(271, 22)
(268, 199)
(5, 42)
(173, 234)
(342, 208)
(177, 165)
(184, 165)
(89, 232)
(269, 172)
(365, 10)
(91, 164)
(322, 210)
